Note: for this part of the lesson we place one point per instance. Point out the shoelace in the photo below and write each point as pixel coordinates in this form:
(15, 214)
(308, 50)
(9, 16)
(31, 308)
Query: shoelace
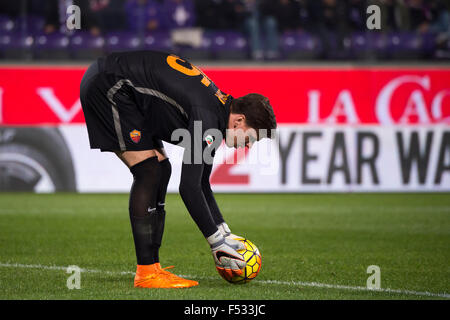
(169, 267)
(169, 274)
(163, 271)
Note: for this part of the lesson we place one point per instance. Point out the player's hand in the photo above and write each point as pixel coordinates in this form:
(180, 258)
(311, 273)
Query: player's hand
(233, 241)
(232, 238)
(229, 262)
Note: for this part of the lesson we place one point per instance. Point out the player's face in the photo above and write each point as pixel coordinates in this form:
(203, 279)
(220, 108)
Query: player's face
(241, 137)
(239, 134)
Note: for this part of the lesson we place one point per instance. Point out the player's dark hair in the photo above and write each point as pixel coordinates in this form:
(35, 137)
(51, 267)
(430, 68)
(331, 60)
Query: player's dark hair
(257, 111)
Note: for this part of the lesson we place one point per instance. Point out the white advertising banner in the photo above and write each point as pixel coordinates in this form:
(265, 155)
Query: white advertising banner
(303, 158)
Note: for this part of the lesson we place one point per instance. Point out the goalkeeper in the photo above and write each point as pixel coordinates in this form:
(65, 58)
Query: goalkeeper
(132, 101)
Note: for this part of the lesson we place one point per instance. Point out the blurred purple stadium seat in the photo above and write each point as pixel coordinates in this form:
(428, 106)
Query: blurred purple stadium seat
(300, 45)
(337, 48)
(84, 45)
(15, 45)
(85, 40)
(379, 43)
(405, 45)
(367, 45)
(228, 45)
(158, 41)
(122, 41)
(51, 46)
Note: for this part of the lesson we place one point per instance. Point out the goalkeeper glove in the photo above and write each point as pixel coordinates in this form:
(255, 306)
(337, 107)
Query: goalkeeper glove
(226, 232)
(229, 262)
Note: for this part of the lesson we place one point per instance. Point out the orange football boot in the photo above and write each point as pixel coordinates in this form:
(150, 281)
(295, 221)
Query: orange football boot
(153, 276)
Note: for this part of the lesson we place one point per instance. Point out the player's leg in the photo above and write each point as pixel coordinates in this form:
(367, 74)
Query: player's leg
(146, 172)
(143, 195)
(113, 124)
(150, 181)
(160, 215)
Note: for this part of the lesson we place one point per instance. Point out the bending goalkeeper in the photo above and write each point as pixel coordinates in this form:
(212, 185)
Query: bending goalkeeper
(132, 101)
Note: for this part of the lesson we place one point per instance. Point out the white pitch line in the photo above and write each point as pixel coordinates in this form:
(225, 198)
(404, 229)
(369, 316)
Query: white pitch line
(277, 282)
(39, 266)
(355, 288)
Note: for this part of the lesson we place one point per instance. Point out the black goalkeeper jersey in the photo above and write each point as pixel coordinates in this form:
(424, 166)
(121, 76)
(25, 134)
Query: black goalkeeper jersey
(170, 92)
(136, 95)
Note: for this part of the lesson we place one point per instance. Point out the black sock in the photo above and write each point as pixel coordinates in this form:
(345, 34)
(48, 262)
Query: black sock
(142, 207)
(166, 171)
(160, 216)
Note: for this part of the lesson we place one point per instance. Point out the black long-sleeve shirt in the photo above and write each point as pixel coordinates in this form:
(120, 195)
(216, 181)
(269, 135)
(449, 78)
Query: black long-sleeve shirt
(182, 97)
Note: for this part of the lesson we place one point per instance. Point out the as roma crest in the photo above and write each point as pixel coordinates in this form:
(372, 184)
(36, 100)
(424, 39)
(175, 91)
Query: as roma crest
(135, 135)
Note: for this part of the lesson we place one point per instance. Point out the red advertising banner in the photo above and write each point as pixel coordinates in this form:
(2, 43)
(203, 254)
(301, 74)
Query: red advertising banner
(316, 95)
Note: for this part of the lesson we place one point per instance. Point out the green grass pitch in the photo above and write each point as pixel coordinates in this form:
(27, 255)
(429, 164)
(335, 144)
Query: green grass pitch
(314, 246)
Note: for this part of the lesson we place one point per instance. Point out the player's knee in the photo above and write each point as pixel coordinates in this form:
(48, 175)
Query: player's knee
(146, 181)
(166, 172)
(148, 169)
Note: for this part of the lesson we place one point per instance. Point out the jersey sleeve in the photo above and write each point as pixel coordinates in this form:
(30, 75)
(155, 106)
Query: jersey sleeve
(199, 154)
(209, 195)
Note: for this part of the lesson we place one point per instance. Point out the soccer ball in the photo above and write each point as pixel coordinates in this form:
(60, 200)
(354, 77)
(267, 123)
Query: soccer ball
(252, 256)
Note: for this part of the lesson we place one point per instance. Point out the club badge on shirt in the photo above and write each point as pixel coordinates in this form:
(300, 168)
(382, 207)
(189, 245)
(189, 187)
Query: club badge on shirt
(135, 135)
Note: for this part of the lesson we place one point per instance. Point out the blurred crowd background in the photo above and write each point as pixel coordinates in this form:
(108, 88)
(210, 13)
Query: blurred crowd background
(228, 29)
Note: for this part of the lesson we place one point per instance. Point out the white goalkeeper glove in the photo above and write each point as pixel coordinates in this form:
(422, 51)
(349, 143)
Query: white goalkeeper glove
(229, 262)
(232, 238)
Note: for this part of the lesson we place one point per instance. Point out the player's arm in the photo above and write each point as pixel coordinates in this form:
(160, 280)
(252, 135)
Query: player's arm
(214, 208)
(228, 261)
(192, 194)
(224, 253)
(207, 191)
(194, 167)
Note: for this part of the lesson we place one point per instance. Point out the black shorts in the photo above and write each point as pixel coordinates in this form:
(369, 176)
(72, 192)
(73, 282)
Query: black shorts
(113, 121)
